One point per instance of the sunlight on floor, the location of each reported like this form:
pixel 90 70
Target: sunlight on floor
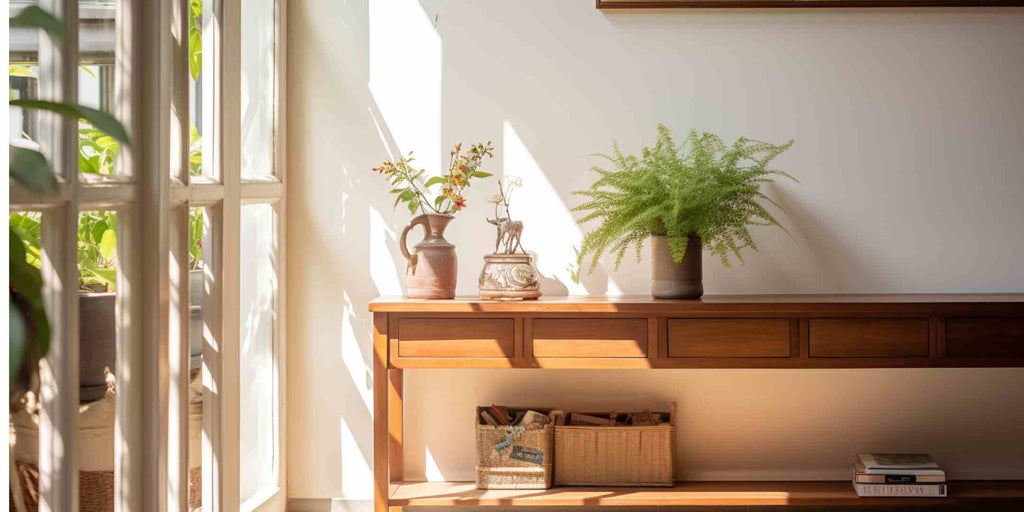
pixel 431 471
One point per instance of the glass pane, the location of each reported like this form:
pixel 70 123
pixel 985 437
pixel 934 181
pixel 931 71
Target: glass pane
pixel 97 151
pixel 257 88
pixel 97 325
pixel 197 230
pixel 258 374
pixel 195 89
pixel 23 79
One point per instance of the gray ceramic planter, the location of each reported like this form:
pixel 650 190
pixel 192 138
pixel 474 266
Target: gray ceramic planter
pixel 98 336
pixel 676 280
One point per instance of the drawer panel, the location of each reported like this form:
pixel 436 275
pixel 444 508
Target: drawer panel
pixel 868 337
pixel 754 337
pixel 985 337
pixel 590 337
pixel 456 337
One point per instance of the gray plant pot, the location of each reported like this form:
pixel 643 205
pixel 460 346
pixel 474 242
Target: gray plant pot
pixel 676 280
pixel 195 320
pixel 98 336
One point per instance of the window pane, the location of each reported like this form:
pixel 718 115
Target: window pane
pixel 195 87
pixel 23 79
pixel 97 38
pixel 196 244
pixel 97 338
pixel 258 374
pixel 257 63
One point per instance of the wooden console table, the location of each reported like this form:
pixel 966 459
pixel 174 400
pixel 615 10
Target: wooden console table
pixel 786 331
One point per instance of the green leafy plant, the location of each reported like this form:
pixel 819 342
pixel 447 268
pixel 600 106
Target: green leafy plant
pixel 195 38
pixel 408 187
pixel 97 251
pixel 700 187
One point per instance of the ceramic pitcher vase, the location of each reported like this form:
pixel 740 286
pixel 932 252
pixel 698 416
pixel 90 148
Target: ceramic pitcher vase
pixel 432 269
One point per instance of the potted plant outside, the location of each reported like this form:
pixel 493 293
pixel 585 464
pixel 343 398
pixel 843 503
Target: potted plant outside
pixel 432 265
pixel 701 194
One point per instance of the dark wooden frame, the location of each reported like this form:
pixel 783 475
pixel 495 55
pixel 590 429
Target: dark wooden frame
pixel 753 4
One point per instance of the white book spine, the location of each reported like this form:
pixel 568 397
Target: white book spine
pixel 900 490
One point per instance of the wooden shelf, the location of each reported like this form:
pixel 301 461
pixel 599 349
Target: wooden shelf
pixel 430 494
pixel 753 331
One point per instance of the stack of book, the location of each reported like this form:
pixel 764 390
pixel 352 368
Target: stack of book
pixel 897 474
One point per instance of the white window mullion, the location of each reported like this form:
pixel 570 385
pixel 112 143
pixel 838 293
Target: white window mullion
pixel 58 374
pixel 127 107
pixel 178 263
pixel 144 359
pixel 58 419
pixel 178 398
pixel 221 153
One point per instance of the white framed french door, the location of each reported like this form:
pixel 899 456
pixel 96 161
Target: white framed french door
pixel 155 189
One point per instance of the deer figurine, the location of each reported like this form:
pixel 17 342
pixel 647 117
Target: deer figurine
pixel 509 234
pixel 508 272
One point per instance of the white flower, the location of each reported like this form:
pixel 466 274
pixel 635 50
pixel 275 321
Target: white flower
pixel 495 199
pixel 513 181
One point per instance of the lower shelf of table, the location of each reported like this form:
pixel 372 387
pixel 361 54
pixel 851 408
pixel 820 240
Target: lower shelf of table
pixel 423 494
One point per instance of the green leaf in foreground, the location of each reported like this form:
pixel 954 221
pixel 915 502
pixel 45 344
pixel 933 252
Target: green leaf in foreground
pixel 26 283
pixel 29 168
pixel 100 120
pixel 35 17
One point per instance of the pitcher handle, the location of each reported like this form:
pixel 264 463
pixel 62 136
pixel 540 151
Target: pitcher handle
pixel 420 219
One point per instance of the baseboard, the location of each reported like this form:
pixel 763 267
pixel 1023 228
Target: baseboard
pixel 329 505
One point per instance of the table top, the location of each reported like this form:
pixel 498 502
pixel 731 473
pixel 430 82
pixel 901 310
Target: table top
pixel 643 303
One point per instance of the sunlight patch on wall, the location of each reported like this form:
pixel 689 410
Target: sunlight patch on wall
pixel 405 78
pixel 356 475
pixel 382 266
pixel 352 357
pixel 547 222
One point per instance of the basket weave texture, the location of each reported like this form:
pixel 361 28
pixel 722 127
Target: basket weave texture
pixel 95 489
pixel 496 469
pixel 614 456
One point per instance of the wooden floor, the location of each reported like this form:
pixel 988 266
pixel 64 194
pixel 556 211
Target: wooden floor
pixel 695 494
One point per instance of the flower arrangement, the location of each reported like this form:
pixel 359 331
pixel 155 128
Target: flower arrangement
pixel 408 189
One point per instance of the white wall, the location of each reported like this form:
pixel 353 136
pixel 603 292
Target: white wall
pixel 908 125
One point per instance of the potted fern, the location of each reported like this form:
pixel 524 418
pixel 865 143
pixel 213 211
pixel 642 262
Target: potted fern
pixel 698 195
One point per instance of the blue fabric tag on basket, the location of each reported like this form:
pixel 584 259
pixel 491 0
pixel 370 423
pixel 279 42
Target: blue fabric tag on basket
pixel 528 455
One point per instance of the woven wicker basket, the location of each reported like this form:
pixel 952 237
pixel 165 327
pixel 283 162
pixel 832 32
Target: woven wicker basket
pixel 615 456
pixel 95 489
pixel 506 468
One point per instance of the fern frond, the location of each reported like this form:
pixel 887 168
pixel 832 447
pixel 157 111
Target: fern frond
pixel 699 186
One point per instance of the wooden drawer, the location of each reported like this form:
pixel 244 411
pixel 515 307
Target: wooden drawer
pixel 868 337
pixel 755 337
pixel 456 337
pixel 985 337
pixel 590 337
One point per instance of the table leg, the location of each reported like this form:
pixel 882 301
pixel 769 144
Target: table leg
pixel 381 472
pixel 395 424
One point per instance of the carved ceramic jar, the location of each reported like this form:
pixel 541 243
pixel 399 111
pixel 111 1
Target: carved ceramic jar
pixel 509 277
